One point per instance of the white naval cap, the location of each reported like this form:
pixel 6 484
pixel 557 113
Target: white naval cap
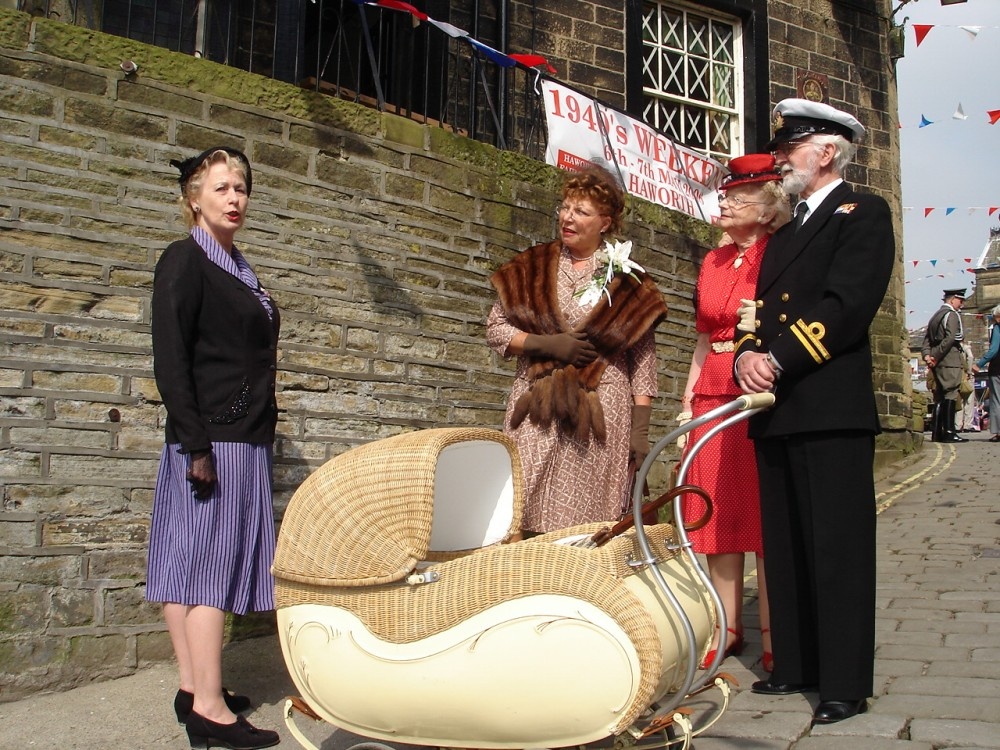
pixel 794 118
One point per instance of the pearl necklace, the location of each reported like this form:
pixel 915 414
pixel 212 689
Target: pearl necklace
pixel 580 260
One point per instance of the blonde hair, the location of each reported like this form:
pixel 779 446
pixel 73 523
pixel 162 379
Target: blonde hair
pixel 193 185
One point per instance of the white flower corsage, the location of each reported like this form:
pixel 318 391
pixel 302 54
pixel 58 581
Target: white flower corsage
pixel 611 259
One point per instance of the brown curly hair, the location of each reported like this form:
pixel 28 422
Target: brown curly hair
pixel 599 186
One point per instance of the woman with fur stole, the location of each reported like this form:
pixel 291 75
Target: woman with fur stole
pixel 579 316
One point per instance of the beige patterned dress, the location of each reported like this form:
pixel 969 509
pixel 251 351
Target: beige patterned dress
pixel 568 482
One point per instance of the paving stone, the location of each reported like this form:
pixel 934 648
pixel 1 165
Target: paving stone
pixel 939 707
pixel 950 686
pixel 772 725
pixel 953 734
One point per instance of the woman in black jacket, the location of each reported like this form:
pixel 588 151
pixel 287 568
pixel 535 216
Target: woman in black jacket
pixel 215 335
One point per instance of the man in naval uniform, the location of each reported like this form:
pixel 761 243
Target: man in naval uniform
pixel 942 352
pixel 822 279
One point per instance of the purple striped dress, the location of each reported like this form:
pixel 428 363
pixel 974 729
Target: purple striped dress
pixel 216 552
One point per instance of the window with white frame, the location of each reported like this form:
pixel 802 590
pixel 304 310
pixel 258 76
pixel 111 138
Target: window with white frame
pixel 692 76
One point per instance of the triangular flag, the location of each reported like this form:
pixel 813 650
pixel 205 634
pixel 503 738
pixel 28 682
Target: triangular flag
pixel 960 113
pixel 993 210
pixel 924 122
pixel 927 212
pixel 447 28
pixel 921 30
pixel 934 263
pixel 915 263
pixel 994 115
pixel 947 211
pixel 972 31
pixel 405 7
pixel 500 58
pixel 534 61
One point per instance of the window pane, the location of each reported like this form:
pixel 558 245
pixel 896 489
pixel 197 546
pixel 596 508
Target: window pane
pixel 690 76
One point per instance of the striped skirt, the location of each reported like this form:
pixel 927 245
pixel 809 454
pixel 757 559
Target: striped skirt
pixel 216 552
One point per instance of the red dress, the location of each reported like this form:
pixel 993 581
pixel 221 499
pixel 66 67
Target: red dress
pixel 725 467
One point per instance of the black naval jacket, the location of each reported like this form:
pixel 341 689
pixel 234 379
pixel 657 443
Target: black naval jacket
pixel 214 352
pixel 817 293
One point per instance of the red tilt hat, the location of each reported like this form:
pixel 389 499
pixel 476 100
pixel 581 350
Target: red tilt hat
pixel 744 170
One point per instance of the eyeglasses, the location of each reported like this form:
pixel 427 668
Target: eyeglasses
pixel 735 200
pixel 572 211
pixel 786 148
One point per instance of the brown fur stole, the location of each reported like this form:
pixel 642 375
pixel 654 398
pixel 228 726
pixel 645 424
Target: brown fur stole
pixel 561 393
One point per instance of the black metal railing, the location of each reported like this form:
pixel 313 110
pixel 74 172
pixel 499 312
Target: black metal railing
pixel 371 55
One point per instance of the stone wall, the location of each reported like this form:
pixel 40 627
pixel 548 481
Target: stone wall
pixel 375 234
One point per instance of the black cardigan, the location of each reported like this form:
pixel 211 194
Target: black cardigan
pixel 214 352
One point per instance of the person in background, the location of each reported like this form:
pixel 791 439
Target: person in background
pixel 212 540
pixel 965 413
pixel 753 205
pixel 578 313
pixel 821 282
pixel 991 361
pixel 942 353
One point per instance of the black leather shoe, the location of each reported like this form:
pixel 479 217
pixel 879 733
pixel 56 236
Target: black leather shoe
pixel 240 735
pixel 766 687
pixel 184 703
pixel 830 712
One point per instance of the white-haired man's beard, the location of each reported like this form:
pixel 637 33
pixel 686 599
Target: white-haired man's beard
pixel 796 180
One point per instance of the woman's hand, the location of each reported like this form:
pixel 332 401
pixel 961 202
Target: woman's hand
pixel 571 348
pixel 202 474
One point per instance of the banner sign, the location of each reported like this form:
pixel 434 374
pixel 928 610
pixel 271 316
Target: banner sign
pixel 650 165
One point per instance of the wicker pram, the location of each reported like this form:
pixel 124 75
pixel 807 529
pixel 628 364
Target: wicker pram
pixel 405 614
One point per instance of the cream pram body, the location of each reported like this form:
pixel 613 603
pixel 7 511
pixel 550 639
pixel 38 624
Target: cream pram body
pixel 490 644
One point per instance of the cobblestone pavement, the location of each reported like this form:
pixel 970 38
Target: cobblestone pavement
pixel 937 681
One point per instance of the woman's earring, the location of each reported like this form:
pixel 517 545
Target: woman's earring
pixel 196 209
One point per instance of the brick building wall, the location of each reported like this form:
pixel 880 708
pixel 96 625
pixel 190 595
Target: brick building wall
pixel 375 234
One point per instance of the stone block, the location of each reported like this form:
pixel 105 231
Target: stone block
pixel 153 648
pixel 76 381
pixel 17 533
pixel 41 570
pixel 116 120
pixel 72 608
pixel 117 531
pixel 129 607
pixel 25 610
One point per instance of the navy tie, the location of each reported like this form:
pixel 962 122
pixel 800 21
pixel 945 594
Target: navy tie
pixel 801 209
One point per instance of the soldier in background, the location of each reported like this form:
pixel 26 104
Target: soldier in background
pixel 942 353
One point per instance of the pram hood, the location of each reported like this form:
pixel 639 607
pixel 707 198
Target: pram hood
pixel 372 514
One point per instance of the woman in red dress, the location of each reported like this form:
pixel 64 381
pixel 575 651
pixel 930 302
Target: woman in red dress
pixel 753 205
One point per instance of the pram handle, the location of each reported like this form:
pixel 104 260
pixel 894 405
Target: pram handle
pixel 605 535
pixel 755 401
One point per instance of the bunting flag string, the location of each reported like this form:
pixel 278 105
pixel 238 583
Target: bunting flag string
pixel 959 272
pixel 935 261
pixel 992 115
pixel 502 59
pixel 949 210
pixel 921 30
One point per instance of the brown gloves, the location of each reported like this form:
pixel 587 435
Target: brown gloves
pixel 571 348
pixel 638 441
pixel 202 474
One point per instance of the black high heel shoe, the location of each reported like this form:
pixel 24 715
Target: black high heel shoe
pixel 184 703
pixel 240 735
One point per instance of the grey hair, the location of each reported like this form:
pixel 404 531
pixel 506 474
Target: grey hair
pixel 995 311
pixel 846 151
